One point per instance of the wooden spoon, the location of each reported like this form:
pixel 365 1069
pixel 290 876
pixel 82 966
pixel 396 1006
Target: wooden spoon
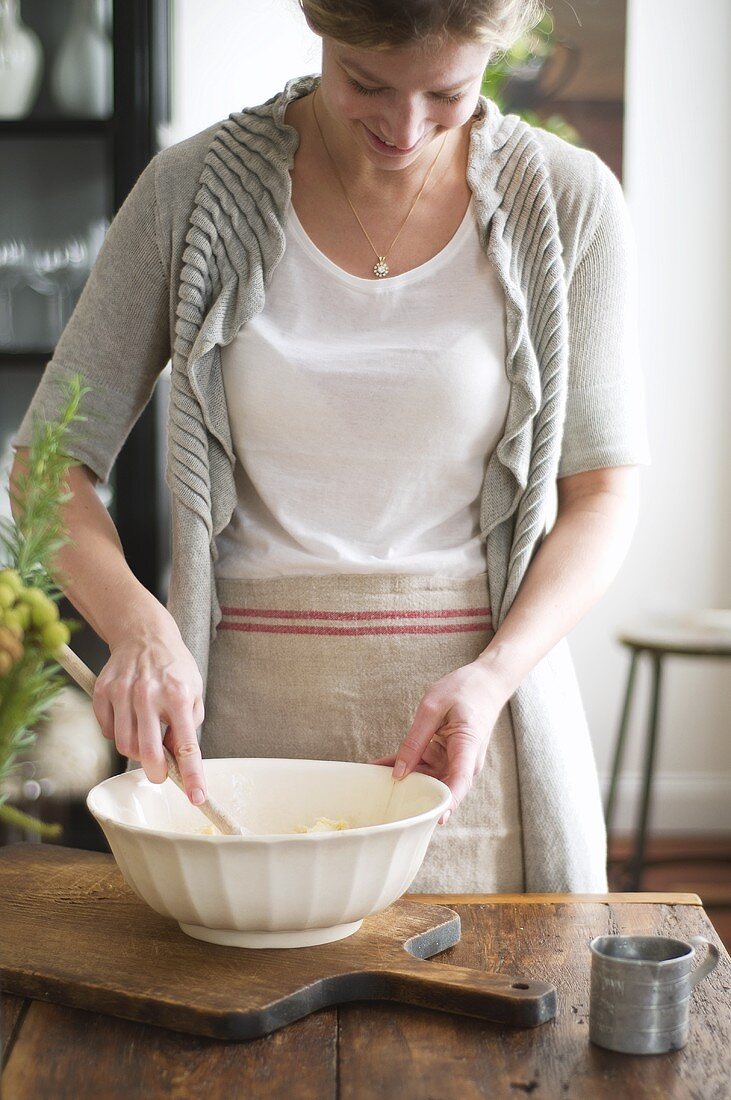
pixel 215 813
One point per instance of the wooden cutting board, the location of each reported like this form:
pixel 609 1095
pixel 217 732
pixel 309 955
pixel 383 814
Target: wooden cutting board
pixel 73 932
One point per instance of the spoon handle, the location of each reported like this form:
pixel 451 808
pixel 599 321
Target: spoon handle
pixel 86 680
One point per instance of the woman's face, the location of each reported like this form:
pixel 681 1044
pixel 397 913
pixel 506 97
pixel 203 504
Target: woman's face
pixel 407 97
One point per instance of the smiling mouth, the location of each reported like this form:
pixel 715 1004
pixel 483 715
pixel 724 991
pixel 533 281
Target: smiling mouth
pixel 393 145
pixel 395 148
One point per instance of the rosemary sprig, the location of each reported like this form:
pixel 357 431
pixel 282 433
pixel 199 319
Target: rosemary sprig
pixel 31 542
pixel 28 546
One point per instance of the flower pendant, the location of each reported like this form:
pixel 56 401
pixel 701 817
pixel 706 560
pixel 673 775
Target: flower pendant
pixel 380 270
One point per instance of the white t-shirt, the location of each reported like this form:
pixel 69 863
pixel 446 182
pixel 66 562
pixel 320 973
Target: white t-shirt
pixel 363 412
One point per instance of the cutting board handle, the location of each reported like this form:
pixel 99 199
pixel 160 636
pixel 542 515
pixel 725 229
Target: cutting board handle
pixel 502 998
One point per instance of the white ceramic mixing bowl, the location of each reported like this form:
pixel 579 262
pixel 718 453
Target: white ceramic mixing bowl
pixel 276 888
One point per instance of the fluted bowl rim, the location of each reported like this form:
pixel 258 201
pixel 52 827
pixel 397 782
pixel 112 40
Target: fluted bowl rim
pixel 137 775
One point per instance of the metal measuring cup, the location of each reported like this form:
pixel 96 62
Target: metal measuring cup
pixel 640 991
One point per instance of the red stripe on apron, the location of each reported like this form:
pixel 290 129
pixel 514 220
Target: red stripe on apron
pixel 277 628
pixel 273 613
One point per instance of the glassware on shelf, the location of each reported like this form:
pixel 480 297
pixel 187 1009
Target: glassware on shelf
pixel 12 270
pixel 56 270
pixel 58 273
pixel 95 235
pixel 77 269
pixel 81 75
pixel 21 63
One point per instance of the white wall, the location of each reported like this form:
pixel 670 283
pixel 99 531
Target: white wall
pixel 677 178
pixel 250 48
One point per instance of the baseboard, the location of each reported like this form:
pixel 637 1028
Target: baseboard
pixel 698 802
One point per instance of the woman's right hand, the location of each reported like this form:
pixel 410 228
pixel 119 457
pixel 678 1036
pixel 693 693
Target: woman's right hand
pixel 148 680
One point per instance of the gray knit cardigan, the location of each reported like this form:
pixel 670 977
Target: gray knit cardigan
pixel 187 261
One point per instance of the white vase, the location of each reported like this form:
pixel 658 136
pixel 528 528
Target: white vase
pixel 81 76
pixel 21 63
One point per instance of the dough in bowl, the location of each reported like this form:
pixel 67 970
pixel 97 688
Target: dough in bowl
pixel 323 825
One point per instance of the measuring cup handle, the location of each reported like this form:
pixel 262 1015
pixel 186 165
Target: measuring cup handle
pixel 711 962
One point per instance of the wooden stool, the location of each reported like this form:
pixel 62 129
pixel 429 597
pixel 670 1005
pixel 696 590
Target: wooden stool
pixel 657 641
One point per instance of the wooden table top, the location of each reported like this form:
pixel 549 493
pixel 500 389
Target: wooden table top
pixel 379 1049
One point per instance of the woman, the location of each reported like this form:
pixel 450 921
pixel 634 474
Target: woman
pixel 399 321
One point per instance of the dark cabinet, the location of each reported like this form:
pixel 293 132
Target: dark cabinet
pixel 62 179
pixel 63 176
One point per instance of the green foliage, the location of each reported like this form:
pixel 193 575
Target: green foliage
pixel 29 678
pixel 535 46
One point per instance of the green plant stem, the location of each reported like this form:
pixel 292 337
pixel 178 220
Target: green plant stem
pixel 11 815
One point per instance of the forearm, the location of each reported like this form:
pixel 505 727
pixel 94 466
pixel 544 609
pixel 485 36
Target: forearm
pixel 571 571
pixel 91 568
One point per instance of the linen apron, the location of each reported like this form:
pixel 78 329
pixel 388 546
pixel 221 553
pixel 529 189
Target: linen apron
pixel 332 667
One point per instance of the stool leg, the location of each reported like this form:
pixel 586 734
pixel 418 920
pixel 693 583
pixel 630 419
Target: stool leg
pixel 621 738
pixel 638 859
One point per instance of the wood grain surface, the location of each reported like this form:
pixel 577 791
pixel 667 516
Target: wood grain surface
pixel 75 933
pixel 382 1051
pixel 648 898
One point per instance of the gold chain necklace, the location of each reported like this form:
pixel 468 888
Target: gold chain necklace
pixel 380 268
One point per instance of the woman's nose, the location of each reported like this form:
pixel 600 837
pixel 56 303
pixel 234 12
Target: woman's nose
pixel 405 128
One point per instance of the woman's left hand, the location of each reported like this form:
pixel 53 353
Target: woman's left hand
pixel 451 729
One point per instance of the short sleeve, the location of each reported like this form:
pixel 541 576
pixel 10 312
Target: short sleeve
pixel 117 339
pixel 605 413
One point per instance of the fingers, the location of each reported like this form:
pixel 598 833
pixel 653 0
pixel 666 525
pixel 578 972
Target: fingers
pixel 434 761
pixel 149 735
pixel 183 744
pixel 456 760
pixel 102 707
pixel 130 712
pixel 435 755
pixel 463 749
pixel 428 718
pixel 125 720
pixel 480 763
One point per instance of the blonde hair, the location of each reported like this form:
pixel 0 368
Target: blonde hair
pixel 384 24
